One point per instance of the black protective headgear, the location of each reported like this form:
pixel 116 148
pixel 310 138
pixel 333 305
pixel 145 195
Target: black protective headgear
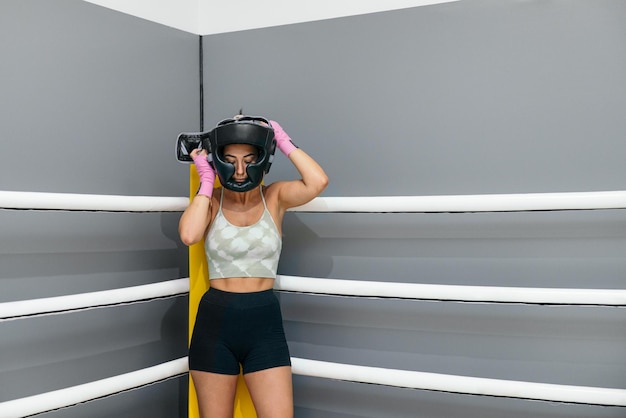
pixel 250 130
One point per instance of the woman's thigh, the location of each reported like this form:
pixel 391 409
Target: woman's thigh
pixel 272 392
pixel 215 392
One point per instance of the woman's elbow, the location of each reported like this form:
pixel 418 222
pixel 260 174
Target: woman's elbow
pixel 322 182
pixel 188 237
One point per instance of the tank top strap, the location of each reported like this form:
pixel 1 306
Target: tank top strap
pixel 221 199
pixel 262 197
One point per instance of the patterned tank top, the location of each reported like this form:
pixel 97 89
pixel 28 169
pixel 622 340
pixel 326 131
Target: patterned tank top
pixel 243 251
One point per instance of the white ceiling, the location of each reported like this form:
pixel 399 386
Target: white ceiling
pixel 205 17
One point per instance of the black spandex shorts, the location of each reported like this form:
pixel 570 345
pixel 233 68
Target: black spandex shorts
pixel 238 328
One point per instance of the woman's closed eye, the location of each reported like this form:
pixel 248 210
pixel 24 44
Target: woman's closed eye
pixel 246 161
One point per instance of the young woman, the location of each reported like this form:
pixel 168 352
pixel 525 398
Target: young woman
pixel 239 323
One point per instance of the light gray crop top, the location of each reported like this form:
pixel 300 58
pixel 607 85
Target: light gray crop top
pixel 243 251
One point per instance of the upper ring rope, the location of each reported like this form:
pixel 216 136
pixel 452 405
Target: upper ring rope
pixel 373 204
pixel 91 202
pixel 468 203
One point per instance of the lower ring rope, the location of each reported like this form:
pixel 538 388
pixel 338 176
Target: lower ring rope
pixel 50 401
pixel 460 384
pixel 62 398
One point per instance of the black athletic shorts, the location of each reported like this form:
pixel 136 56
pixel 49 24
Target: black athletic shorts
pixel 238 328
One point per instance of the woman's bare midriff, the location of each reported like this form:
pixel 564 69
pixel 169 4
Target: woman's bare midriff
pixel 243 284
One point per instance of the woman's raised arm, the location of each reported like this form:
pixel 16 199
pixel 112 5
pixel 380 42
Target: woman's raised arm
pixel 313 178
pixel 196 218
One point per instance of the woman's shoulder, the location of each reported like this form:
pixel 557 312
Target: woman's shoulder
pixel 273 189
pixel 272 195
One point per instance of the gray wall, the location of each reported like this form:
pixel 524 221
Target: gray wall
pixel 478 96
pixel 461 98
pixel 92 101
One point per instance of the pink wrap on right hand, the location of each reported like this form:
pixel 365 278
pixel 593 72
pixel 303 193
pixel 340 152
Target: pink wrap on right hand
pixel 206 173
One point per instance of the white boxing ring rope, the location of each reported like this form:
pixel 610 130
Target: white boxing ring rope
pixel 90 202
pixel 460 384
pixel 469 203
pixel 71 303
pixel 74 395
pixel 453 293
pixel 57 399
pixel 49 401
pixel 171 288
pixel 45 402
pixel 373 204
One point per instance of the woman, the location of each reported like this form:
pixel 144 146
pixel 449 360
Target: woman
pixel 239 323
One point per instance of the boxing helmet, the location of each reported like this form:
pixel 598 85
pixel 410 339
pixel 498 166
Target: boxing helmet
pixel 241 129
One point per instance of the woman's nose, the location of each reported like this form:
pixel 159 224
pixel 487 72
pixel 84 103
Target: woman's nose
pixel 240 167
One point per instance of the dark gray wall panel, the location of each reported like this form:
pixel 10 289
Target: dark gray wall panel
pixel 471 97
pixel 534 249
pixel 93 98
pixel 92 101
pixel 477 96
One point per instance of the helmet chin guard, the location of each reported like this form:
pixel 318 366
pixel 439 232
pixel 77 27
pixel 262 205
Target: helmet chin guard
pixel 249 130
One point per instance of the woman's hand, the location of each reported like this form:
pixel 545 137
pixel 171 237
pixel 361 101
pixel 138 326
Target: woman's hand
pixel 205 171
pixel 283 142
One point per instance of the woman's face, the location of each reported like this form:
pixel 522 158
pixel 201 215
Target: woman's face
pixel 240 155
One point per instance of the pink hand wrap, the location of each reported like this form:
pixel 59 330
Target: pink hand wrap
pixel 206 173
pixel 283 142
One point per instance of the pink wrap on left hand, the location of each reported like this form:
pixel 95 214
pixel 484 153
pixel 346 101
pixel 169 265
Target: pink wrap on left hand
pixel 283 141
